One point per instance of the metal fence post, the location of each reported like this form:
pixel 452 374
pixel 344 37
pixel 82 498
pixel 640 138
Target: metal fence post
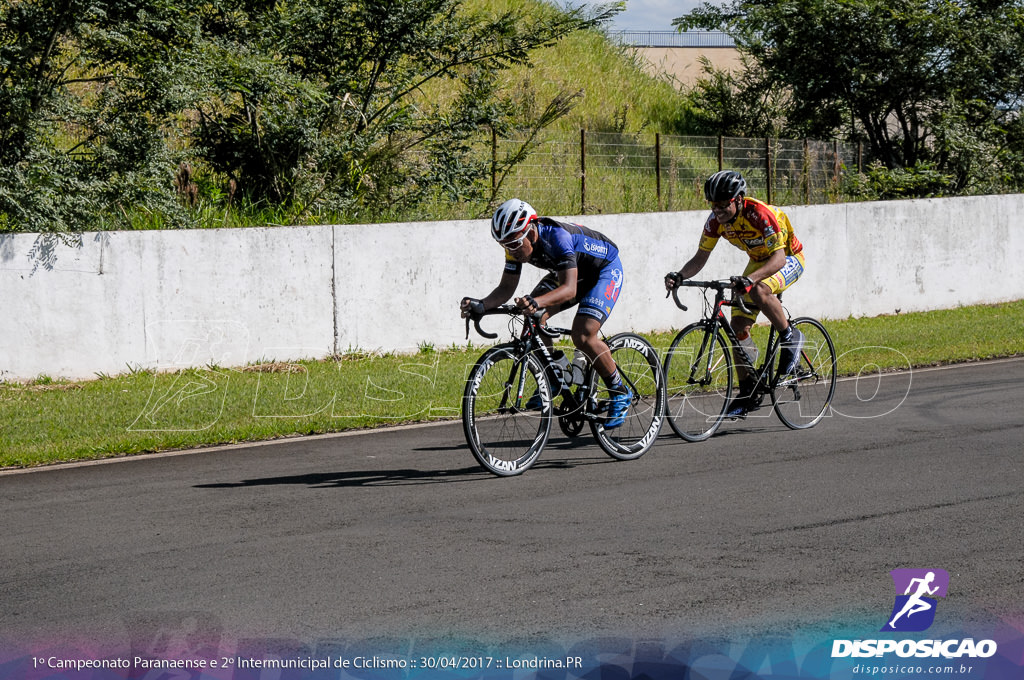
pixel 657 167
pixel 768 165
pixel 721 153
pixel 835 153
pixel 494 159
pixel 583 172
pixel 807 172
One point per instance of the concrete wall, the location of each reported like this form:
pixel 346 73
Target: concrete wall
pixel 110 302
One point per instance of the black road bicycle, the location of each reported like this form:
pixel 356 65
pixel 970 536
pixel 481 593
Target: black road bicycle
pixel 700 375
pixel 506 436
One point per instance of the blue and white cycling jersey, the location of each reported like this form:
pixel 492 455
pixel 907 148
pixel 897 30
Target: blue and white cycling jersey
pixel 561 246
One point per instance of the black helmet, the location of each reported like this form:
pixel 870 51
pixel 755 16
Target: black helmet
pixel 724 185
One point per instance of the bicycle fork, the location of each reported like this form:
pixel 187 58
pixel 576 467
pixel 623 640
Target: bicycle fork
pixel 708 355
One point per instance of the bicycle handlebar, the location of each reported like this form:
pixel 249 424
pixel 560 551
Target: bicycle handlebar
pixel 720 285
pixel 675 297
pixel 510 310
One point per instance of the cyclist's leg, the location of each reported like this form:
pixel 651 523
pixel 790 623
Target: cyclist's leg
pixel 546 285
pixel 766 297
pixel 741 323
pixel 765 294
pixel 596 303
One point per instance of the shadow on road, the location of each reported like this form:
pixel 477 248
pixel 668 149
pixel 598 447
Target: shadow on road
pixel 361 478
pixel 405 476
pixel 559 443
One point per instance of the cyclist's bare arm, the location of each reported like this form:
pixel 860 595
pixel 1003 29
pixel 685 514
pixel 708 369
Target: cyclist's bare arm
pixel 769 267
pixel 691 268
pixel 505 289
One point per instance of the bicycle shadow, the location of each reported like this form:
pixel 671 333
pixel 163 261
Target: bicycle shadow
pixel 357 478
pixel 553 442
pixel 399 477
pixel 555 446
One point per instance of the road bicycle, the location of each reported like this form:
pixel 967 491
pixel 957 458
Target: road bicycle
pixel 700 369
pixel 507 436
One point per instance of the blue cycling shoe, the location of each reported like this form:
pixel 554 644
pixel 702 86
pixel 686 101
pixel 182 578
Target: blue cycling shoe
pixel 744 402
pixel 618 407
pixel 740 408
pixel 535 403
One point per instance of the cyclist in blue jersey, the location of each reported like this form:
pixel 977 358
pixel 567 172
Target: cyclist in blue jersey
pixel 583 269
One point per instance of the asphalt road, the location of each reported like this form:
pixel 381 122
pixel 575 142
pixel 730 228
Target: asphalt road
pixel 398 532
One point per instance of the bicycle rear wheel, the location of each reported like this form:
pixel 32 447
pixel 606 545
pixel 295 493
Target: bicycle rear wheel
pixel 641 371
pixel 504 435
pixel 802 399
pixel 698 378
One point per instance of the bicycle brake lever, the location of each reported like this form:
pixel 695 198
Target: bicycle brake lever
pixel 738 301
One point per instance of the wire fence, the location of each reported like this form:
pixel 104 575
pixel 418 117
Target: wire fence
pixel 673 38
pixel 612 172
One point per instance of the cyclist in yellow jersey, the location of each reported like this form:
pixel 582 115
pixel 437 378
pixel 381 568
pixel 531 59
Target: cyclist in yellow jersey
pixel 776 261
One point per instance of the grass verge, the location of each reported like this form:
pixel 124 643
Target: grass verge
pixel 50 421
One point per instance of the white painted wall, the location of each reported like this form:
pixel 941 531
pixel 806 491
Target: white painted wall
pixel 108 302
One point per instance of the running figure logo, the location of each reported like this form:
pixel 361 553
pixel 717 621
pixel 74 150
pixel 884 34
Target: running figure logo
pixel 914 609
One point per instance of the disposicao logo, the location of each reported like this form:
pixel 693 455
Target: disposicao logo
pixel 917 593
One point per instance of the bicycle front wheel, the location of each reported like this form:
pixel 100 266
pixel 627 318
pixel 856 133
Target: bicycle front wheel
pixel 504 433
pixel 802 399
pixel 698 378
pixel 640 370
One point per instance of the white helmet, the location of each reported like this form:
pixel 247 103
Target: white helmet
pixel 512 217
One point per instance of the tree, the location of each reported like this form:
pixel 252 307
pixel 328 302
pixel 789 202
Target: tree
pixel 112 109
pixel 86 90
pixel 731 104
pixel 922 82
pixel 366 104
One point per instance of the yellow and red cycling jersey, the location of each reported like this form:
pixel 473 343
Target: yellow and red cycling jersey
pixel 759 229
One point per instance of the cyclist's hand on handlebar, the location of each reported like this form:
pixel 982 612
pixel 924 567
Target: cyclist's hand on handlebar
pixel 471 307
pixel 672 280
pixel 741 285
pixel 527 304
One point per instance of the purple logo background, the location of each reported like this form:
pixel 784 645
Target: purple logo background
pixel 917 593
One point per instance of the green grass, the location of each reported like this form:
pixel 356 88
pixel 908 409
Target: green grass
pixel 49 421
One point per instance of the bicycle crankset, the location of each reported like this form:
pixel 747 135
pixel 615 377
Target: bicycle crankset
pixel 570 417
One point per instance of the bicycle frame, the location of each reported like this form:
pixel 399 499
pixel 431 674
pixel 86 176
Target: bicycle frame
pixel 800 398
pixel 581 401
pixel 530 342
pixel 715 320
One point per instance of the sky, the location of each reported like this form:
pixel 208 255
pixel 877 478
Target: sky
pixel 651 15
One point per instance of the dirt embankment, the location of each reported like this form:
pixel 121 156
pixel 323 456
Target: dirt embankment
pixel 683 63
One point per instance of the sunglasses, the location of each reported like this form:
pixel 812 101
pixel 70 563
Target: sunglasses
pixel 512 245
pixel 722 205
